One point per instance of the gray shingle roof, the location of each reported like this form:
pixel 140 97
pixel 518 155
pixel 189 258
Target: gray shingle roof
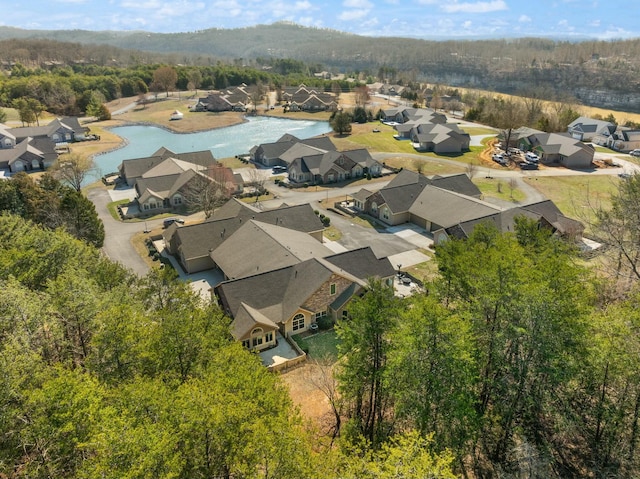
pixel 256 247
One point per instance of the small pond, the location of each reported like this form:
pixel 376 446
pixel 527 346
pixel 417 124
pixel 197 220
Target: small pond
pixel 143 141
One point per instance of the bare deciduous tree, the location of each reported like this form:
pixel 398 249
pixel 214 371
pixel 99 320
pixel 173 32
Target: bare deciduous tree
pixel 72 168
pixel 165 78
pixel 206 192
pixel 324 380
pixel 471 170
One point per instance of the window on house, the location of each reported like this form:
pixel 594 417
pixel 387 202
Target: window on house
pixel 332 288
pixel 177 200
pixel 257 341
pixel 268 338
pixel 298 322
pixel 321 314
pixel 385 213
pixel 246 344
pixel 345 314
pixel 146 206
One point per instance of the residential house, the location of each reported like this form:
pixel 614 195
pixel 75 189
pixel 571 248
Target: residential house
pixel 392 204
pixel 545 213
pixel 66 129
pixel 554 148
pixel 624 139
pixel 229 99
pixel 440 138
pixel 290 299
pixel 194 245
pixel 168 185
pixel 303 98
pixel 257 246
pixel 333 166
pixel 27 155
pixel 416 115
pixel 34 147
pixel 586 129
pixel 133 169
pixel 275 154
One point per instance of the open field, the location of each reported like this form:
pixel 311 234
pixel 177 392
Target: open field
pixel 576 196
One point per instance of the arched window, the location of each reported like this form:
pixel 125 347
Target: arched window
pixel 256 337
pixel 298 322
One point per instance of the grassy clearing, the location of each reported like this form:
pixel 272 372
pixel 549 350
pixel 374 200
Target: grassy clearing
pixel 500 188
pixel 479 130
pixel 322 345
pixel 332 233
pixel 574 194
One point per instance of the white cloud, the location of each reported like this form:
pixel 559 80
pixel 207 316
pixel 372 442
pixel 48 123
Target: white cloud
pixel 466 25
pixel 350 15
pixel 357 4
pixel 478 7
pixel 524 19
pixel 428 2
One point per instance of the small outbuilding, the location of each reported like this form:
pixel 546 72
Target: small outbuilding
pixel 176 115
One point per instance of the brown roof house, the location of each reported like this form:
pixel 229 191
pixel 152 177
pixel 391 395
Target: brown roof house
pixel 133 169
pixel 545 213
pixel 393 204
pixel 333 166
pixel 290 299
pixel 287 148
pixel 195 246
pixel 171 184
pixel 554 148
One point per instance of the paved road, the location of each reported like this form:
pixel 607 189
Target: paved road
pixel 117 241
pixel 118 234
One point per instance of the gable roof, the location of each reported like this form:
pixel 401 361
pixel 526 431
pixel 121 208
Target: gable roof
pixel 196 241
pixel 446 208
pixel 136 167
pixel 268 246
pixel 362 263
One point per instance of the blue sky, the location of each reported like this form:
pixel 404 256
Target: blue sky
pixel 434 19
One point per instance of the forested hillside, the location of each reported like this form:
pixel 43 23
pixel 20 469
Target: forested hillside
pixel 598 73
pixel 517 360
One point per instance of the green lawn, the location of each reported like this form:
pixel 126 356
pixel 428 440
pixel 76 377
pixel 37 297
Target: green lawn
pixel 321 345
pixel 574 194
pixel 499 188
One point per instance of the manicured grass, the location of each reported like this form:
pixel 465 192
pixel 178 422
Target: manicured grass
pixel 478 130
pixel 332 233
pixel 113 208
pixel 321 345
pixel 427 167
pixel 499 188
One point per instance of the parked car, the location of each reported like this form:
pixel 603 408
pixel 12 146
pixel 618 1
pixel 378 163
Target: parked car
pixel 528 166
pixel 635 152
pixel 531 157
pixel 169 221
pixel 279 169
pixel 499 158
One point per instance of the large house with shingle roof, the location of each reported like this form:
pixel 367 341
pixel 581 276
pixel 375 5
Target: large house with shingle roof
pixel 545 213
pixel 290 299
pixel 450 206
pixel 332 166
pixel 554 148
pixel 586 129
pixel 278 153
pixel 194 245
pixel 133 169
pixel 393 204
pixel 168 185
pixel 34 147
pixel 303 98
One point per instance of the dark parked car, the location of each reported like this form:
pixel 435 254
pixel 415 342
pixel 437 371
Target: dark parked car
pixel 528 166
pixel 169 221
